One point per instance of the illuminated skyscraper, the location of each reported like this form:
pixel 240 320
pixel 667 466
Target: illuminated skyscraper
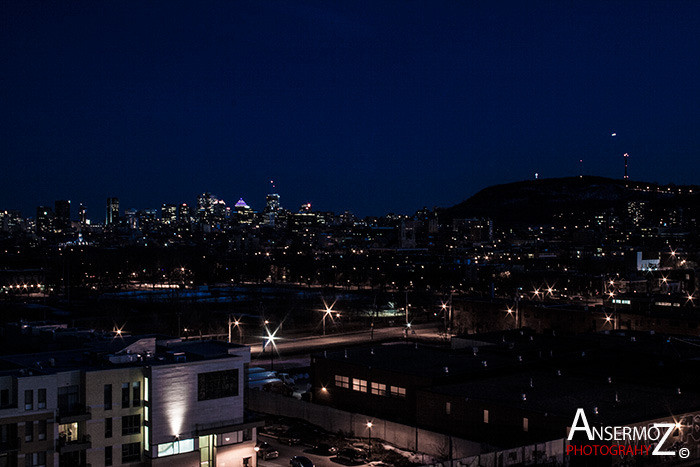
pixel 82 214
pixel 168 213
pixel 44 219
pixel 272 207
pixel 112 211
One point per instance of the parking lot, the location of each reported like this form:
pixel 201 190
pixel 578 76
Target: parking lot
pixel 287 452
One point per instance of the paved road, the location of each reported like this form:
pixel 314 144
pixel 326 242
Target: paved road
pixel 315 343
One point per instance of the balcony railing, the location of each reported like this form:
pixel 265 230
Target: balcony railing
pixel 74 413
pixel 79 444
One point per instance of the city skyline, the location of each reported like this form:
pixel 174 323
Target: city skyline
pixel 328 100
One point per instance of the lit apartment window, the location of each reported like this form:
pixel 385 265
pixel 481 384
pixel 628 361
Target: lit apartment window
pixel 342 381
pixel 28 399
pixel 41 398
pixel 448 408
pixel 486 416
pixel 397 391
pixel 359 385
pixel 379 389
pixel 526 424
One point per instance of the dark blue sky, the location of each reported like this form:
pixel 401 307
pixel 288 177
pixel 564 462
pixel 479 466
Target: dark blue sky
pixel 370 106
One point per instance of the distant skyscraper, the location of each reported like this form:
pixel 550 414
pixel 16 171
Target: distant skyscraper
pixel 44 219
pixel 183 213
pixel 112 211
pixel 82 214
pixel 168 213
pixel 272 207
pixel 62 214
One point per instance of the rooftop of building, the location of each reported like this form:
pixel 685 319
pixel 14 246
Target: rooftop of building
pixel 607 401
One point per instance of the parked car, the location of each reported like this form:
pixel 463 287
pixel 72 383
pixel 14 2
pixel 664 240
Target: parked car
pixel 300 461
pixel 265 451
pixel 290 439
pixel 325 449
pixel 351 455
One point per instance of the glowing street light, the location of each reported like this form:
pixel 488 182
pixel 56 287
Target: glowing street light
pixel 270 339
pixel 236 322
pixel 369 439
pixel 327 312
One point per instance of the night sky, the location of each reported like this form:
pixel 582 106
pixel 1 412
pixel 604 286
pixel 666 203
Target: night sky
pixel 373 106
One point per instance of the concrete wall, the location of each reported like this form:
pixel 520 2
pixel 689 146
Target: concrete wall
pixel 175 410
pixel 334 420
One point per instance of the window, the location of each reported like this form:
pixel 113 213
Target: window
pixel 28 399
pixel 448 408
pixel 41 398
pixel 108 397
pixel 145 389
pixel 176 447
pixel 397 391
pixel 108 427
pixel 486 416
pixel 526 424
pixel 4 397
pixel 28 431
pixel 131 425
pixel 131 452
pixel 136 393
pixel 35 459
pixel 233 437
pixel 217 384
pixel 125 395
pixel 41 430
pixel 145 413
pixel 379 389
pixel 342 381
pixel 108 455
pixel 359 385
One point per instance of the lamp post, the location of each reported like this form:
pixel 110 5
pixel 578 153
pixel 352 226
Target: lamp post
pixel 270 338
pixel 369 439
pixel 236 323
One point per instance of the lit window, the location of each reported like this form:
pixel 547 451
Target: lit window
pixel 359 385
pixel 397 391
pixel 526 424
pixel 342 381
pixel 448 408
pixel 379 389
pixel 176 447
pixel 486 416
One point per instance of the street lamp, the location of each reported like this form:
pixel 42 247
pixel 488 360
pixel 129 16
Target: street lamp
pixel 236 323
pixel 270 338
pixel 369 439
pixel 327 312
